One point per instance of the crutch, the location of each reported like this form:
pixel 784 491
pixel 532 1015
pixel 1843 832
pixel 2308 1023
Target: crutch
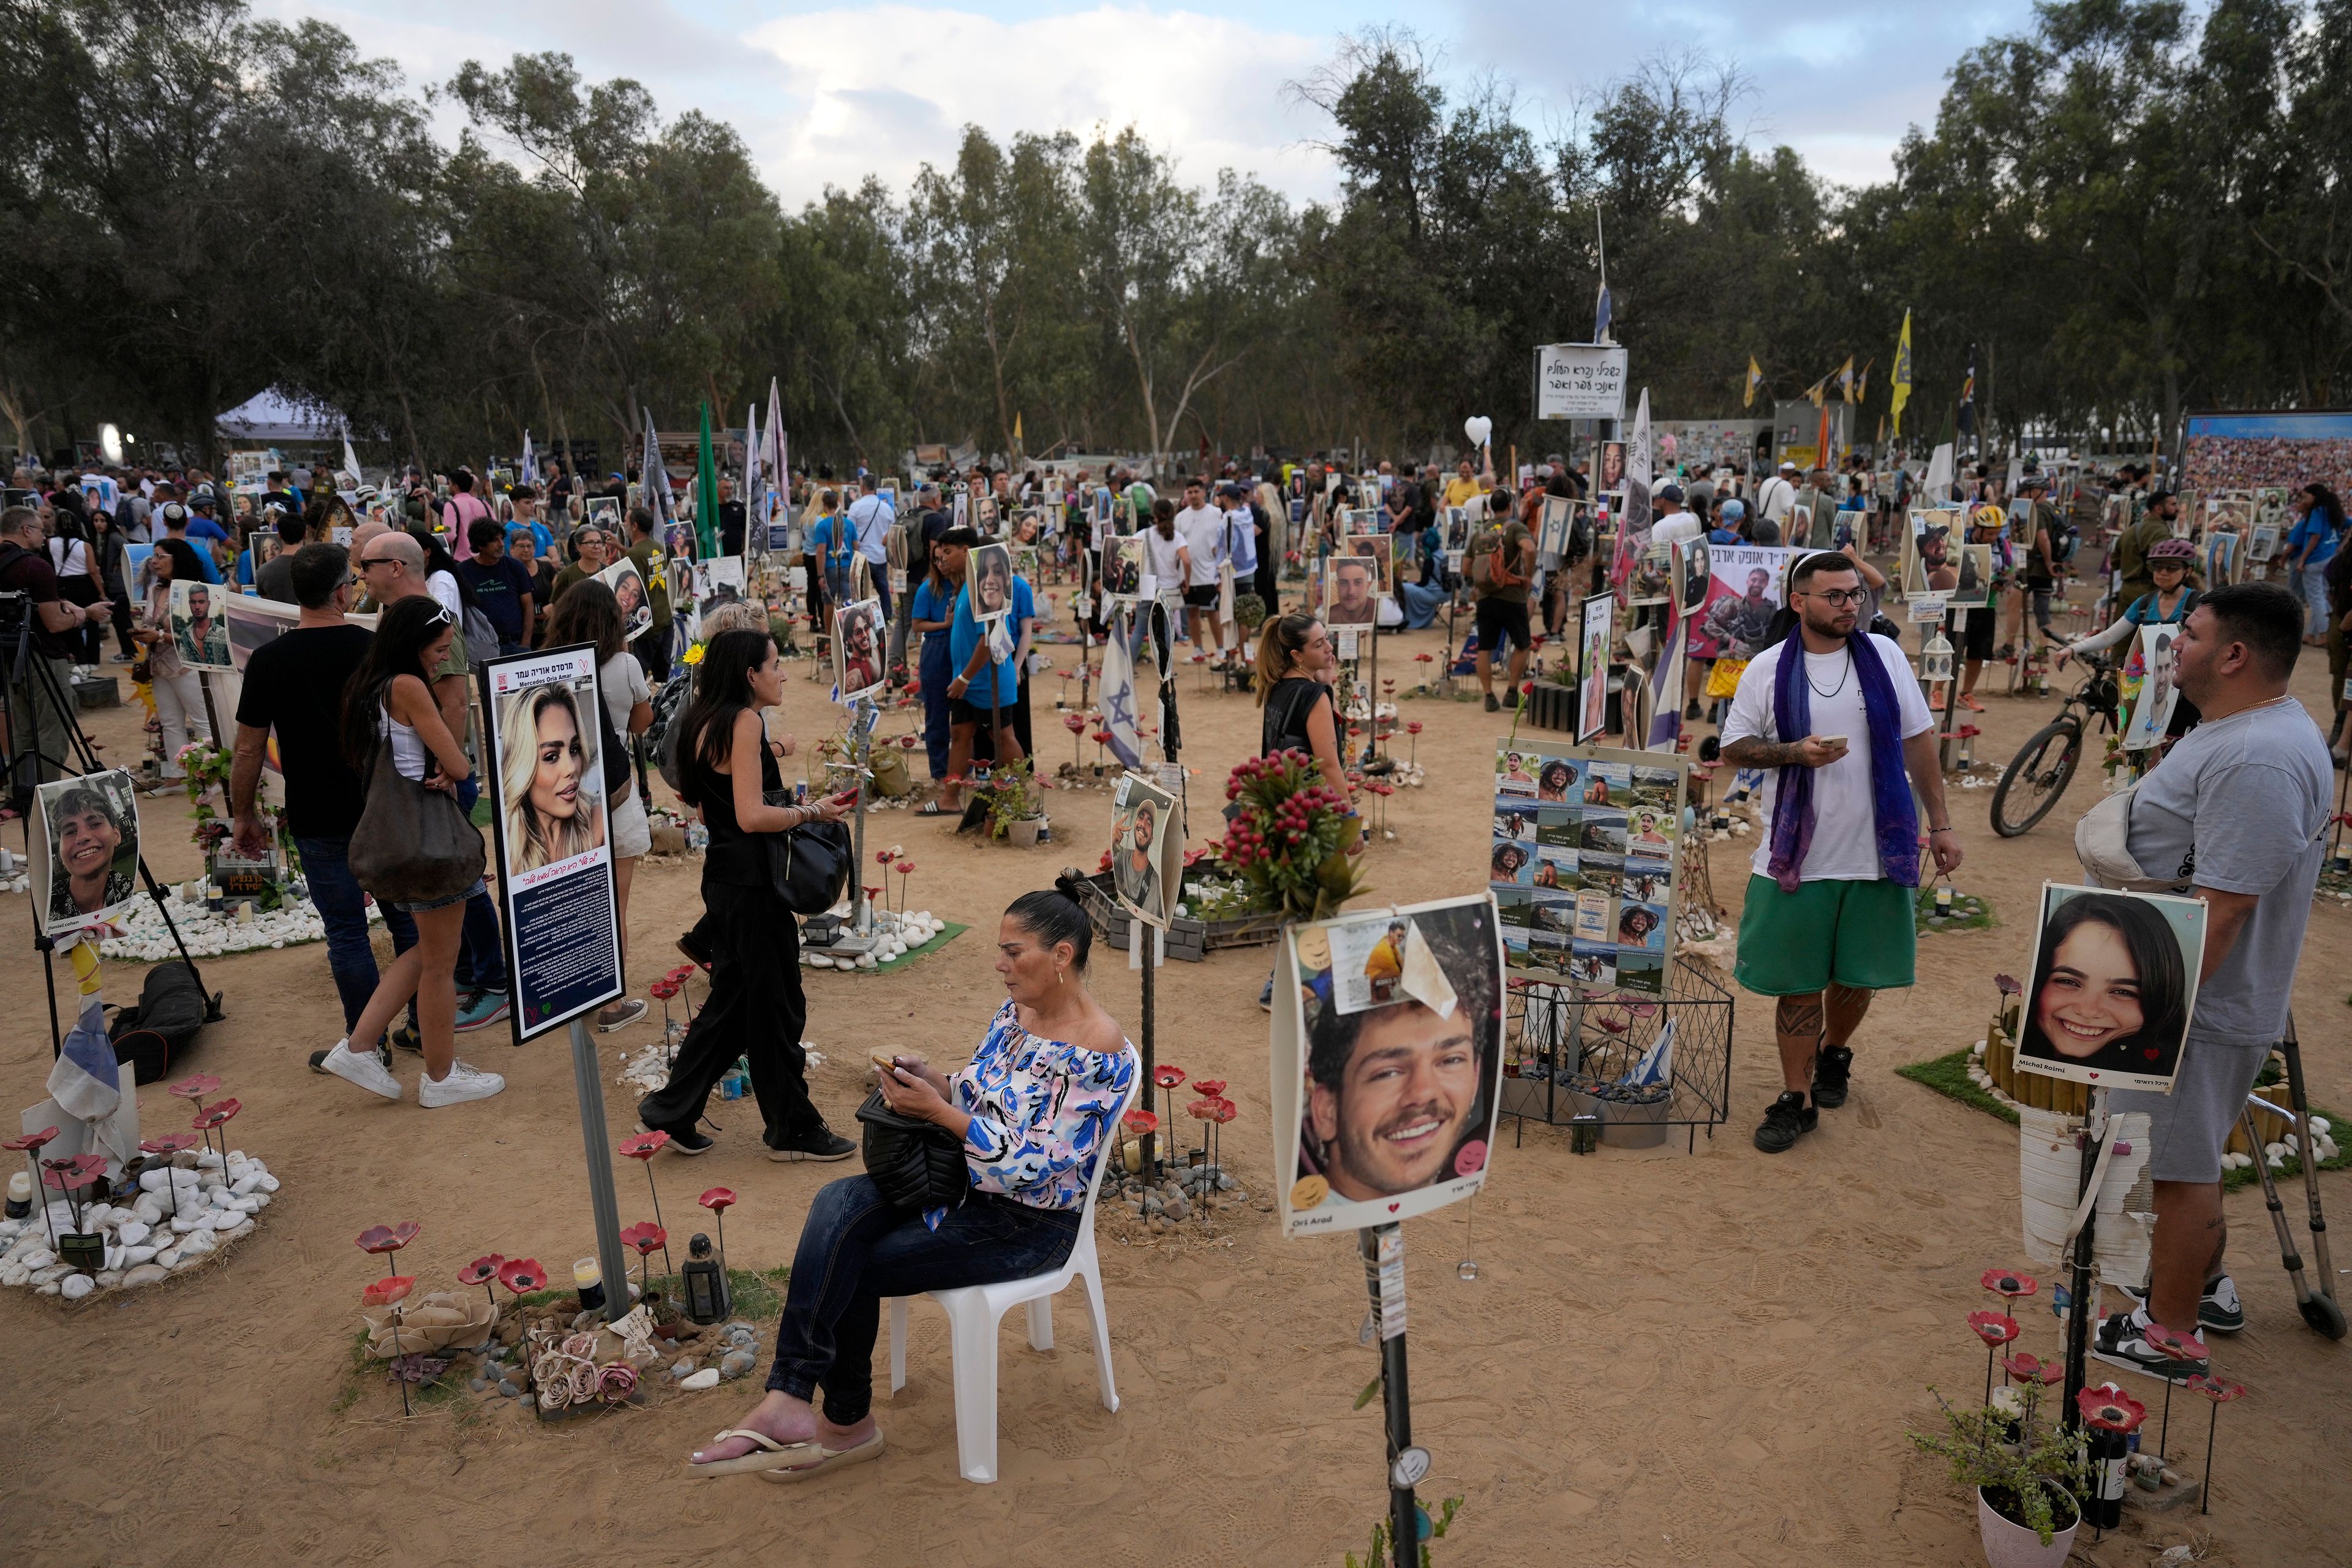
pixel 2318 1303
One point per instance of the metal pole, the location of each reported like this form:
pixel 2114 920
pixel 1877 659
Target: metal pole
pixel 1137 931
pixel 1406 1464
pixel 2083 1277
pixel 594 1143
pixel 861 750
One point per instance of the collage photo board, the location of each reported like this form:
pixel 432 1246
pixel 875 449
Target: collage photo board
pixel 1583 861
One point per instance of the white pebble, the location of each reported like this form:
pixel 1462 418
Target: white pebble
pixel 133 1257
pixel 74 1287
pixel 707 1378
pixel 131 1232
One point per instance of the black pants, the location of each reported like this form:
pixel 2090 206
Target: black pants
pixel 756 1011
pixel 87 642
pixel 121 617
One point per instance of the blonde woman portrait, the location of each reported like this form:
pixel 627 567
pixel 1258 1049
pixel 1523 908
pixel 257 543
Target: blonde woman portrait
pixel 554 805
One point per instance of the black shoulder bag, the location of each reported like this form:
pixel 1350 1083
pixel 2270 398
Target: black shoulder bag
pixel 916 1165
pixel 810 866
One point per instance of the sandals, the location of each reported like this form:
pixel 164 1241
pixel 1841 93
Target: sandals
pixel 931 808
pixel 762 1458
pixel 831 1459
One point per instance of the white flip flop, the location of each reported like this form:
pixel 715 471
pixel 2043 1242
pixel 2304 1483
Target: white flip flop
pixel 764 1457
pixel 833 1459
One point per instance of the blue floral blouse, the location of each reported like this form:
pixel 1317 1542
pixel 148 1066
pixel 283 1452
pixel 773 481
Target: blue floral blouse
pixel 1041 1111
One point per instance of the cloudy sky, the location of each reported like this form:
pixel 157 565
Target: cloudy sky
pixel 825 94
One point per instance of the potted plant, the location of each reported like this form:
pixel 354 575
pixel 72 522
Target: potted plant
pixel 1014 811
pixel 2026 1473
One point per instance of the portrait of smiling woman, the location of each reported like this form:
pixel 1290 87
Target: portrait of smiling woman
pixel 2114 981
pixel 554 806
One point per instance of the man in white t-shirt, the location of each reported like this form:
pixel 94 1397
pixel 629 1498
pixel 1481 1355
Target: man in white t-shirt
pixel 1201 527
pixel 1673 524
pixel 1776 495
pixel 873 516
pixel 1828 912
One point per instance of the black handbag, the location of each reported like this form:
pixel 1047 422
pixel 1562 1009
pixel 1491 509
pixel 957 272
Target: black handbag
pixel 412 845
pixel 808 866
pixel 916 1165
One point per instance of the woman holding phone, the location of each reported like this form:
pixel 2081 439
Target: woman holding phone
pixel 1032 1112
pixel 756 1009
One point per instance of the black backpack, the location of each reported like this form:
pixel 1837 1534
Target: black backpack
pixel 156 1034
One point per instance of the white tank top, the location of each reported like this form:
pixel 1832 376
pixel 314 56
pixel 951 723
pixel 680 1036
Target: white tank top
pixel 408 752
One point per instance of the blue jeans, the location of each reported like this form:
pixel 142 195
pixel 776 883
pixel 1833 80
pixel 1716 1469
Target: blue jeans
pixel 481 956
pixel 933 674
pixel 858 1248
pixel 342 909
pixel 2314 599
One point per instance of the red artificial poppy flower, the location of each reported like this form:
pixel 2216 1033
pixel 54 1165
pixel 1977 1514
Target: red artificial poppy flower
pixel 389 1292
pixel 194 1088
pixel 67 1175
pixel 522 1275
pixel 1072 723
pixel 883 856
pixel 214 1114
pixel 1214 1088
pixel 480 1271
pixel 162 1142
pixel 1101 737
pixel 1413 727
pixel 681 975
pixel 906 868
pixel 2004 1282
pixel 2027 1367
pixel 662 990
pixel 34 1139
pixel 1225 1110
pixel 717 1199
pixel 871 892
pixel 2182 1347
pixel 1994 1328
pixel 1200 1109
pixel 387 1238
pixel 645 1145
pixel 2110 1409
pixel 905 743
pixel 2007 985
pixel 644 1235
pixel 1168 1076
pixel 2221 1391
pixel 1139 1122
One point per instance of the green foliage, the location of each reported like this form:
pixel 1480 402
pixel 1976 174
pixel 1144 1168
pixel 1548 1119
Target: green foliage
pixel 2018 1473
pixel 1012 795
pixel 1378 1555
pixel 1948 1076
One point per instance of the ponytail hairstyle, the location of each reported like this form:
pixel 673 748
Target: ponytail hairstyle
pixel 1278 648
pixel 402 632
pixel 1053 915
pixel 1163 517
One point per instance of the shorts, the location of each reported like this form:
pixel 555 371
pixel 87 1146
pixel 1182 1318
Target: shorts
pixel 421 905
pixel 1860 935
pixel 1499 618
pixel 632 834
pixel 1202 596
pixel 1974 640
pixel 2188 1128
pixel 962 712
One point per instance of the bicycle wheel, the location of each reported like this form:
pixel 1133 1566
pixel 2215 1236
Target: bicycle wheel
pixel 2036 777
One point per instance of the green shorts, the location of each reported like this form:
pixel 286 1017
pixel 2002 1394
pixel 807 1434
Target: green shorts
pixel 1861 935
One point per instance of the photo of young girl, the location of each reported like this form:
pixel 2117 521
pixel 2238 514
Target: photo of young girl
pixel 2113 987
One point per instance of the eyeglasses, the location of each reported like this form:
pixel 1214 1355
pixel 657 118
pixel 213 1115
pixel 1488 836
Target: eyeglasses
pixel 368 560
pixel 1833 597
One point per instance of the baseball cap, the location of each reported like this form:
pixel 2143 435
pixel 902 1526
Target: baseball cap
pixel 1671 492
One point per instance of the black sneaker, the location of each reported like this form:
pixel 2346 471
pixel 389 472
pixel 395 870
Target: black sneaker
pixel 2121 1342
pixel 682 1140
pixel 406 1039
pixel 1832 1066
pixel 319 1059
pixel 1786 1120
pixel 1493 706
pixel 1691 711
pixel 1511 699
pixel 821 1143
pixel 2218 1310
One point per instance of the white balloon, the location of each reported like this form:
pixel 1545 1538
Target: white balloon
pixel 1477 428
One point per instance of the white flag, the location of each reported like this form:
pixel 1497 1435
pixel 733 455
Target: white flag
pixel 529 471
pixel 351 462
pixel 1118 693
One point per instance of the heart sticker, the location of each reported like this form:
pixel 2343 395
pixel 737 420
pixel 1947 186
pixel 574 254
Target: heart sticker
pixel 1394 1207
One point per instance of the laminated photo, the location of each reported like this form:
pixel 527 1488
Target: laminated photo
pixel 1592 664
pixel 198 632
pixel 1382 549
pixel 1511 862
pixel 1124 560
pixel 989 576
pixel 1386 1055
pixel 253 623
pixel 1353 590
pixel 717 581
pixel 860 639
pixel 1926 565
pixel 2152 705
pixel 1587 860
pixel 2112 988
pixel 628 585
pixel 84 859
pixel 1744 591
pixel 1146 848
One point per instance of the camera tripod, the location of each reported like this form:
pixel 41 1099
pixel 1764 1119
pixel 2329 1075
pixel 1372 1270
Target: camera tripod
pixel 28 673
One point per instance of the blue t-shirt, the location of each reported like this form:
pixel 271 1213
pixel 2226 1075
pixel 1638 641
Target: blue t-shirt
pixel 2314 529
pixel 206 529
pixel 244 567
pixel 832 540
pixel 964 635
pixel 542 542
pixel 931 605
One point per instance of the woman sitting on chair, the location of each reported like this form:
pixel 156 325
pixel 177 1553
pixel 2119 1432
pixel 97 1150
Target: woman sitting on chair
pixel 1034 1109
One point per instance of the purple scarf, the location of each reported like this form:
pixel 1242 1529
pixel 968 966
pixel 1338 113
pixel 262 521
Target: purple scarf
pixel 1897 815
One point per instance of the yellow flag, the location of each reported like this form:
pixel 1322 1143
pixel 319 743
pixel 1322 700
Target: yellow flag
pixel 1845 379
pixel 1016 429
pixel 1755 380
pixel 1819 392
pixel 1862 383
pixel 1901 381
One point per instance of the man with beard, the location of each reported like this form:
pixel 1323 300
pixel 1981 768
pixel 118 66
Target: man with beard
pixel 1393 1092
pixel 1742 624
pixel 1353 604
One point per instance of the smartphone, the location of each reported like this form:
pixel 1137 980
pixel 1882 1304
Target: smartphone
pixel 1831 740
pixel 882 1059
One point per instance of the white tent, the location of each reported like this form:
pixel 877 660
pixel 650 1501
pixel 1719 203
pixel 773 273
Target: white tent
pixel 271 418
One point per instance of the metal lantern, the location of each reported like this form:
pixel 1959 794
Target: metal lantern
pixel 1936 659
pixel 705 1283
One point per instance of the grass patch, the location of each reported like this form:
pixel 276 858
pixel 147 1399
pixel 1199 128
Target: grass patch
pixel 1968 913
pixel 1948 1076
pixel 947 934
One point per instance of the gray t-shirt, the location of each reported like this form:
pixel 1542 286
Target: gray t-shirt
pixel 2241 805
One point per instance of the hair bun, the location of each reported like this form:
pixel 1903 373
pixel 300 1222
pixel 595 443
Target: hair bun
pixel 1067 884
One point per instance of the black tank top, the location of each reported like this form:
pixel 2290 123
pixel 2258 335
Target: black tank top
pixel 734 856
pixel 1287 708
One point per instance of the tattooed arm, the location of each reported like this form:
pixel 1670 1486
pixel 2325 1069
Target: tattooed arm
pixel 1754 752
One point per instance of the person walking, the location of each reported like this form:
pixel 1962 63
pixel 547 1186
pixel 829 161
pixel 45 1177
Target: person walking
pixel 1501 561
pixel 294 687
pixel 2256 871
pixel 755 1010
pixel 1835 718
pixel 933 613
pixel 872 520
pixel 1296 662
pixel 390 702
pixel 2312 544
pixel 652 648
pixel 178 690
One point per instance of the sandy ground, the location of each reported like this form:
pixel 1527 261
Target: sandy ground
pixel 1665 1358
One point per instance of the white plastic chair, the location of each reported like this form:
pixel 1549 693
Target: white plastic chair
pixel 975 1312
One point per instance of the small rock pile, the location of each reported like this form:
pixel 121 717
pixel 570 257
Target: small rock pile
pixel 896 935
pixel 145 1240
pixel 1175 1198
pixel 209 933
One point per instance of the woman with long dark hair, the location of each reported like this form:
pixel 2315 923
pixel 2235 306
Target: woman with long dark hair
pixel 756 1009
pixel 2110 988
pixel 178 690
pixel 389 703
pixel 1296 661
pixel 111 560
pixel 1033 1112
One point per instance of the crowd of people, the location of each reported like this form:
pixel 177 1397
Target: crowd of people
pixel 1821 702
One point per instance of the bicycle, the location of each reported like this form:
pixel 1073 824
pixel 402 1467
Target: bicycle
pixel 2037 775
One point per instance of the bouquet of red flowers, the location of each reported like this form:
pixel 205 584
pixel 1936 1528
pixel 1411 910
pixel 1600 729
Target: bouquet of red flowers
pixel 1289 834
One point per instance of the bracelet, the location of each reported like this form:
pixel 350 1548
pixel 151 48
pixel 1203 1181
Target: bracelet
pixel 1932 831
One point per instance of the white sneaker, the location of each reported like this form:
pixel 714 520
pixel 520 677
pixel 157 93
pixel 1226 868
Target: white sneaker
pixel 361 1068
pixel 464 1083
